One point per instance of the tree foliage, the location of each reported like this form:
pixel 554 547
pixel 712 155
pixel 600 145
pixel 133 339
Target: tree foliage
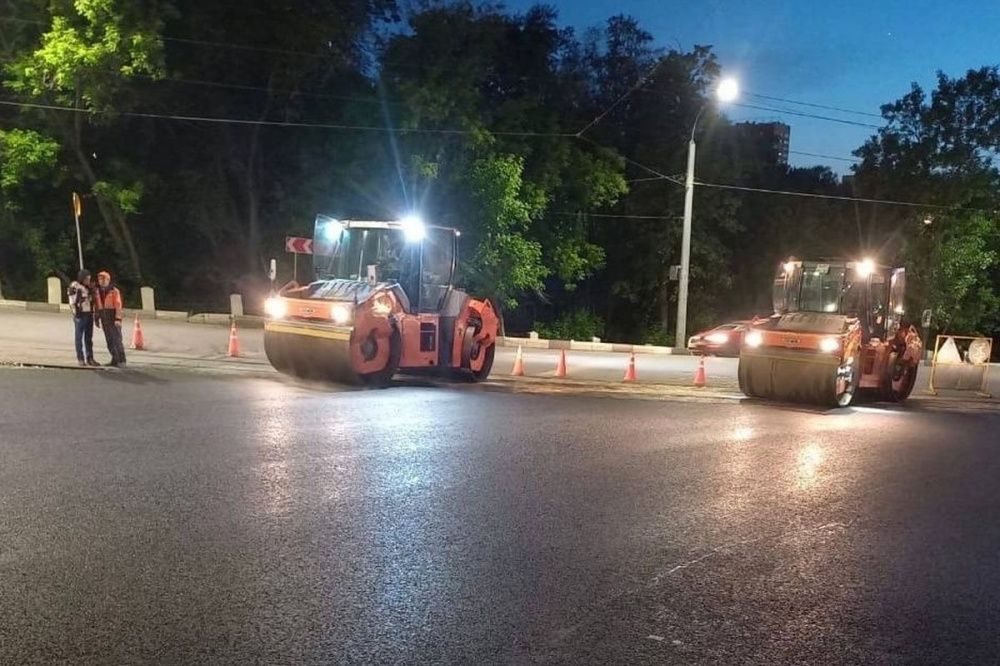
pixel 940 149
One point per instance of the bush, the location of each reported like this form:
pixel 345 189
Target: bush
pixel 573 325
pixel 658 336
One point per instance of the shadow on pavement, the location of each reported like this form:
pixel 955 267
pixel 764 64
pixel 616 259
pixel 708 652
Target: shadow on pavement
pixel 127 376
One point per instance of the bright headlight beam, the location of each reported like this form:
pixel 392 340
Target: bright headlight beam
pixel 340 314
pixel 754 339
pixel 829 345
pixel 718 338
pixel 275 307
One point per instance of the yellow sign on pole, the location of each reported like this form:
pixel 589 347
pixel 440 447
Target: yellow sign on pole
pixel 77 210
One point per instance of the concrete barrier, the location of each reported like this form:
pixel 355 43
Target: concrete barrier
pixel 581 345
pixel 32 306
pixel 55 290
pixel 171 314
pixel 578 345
pixel 210 318
pixel 236 305
pixel 249 321
pixel 148 297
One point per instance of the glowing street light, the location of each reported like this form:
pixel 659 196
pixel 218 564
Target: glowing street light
pixel 727 90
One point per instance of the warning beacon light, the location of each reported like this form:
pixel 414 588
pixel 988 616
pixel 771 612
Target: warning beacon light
pixel 413 228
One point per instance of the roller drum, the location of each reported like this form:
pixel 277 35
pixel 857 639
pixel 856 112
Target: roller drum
pixel 310 357
pixel 801 377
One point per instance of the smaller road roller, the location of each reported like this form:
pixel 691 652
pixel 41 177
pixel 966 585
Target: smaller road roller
pixel 383 301
pixel 838 329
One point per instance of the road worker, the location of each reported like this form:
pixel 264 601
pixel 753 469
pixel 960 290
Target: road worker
pixel 108 305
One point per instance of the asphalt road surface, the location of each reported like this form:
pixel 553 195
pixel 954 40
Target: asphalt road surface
pixel 186 518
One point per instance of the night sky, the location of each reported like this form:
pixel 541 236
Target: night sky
pixel 852 54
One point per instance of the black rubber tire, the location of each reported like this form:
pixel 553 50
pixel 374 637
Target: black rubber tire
pixel 484 372
pixel 382 378
pixel 905 380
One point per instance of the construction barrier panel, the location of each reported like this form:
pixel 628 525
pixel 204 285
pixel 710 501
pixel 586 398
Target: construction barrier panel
pixel 961 363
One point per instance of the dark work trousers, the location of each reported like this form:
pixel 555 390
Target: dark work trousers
pixel 113 336
pixel 84 338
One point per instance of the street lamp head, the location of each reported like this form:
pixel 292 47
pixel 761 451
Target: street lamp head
pixel 727 90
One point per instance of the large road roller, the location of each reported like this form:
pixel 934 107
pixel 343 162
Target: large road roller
pixel 383 301
pixel 838 329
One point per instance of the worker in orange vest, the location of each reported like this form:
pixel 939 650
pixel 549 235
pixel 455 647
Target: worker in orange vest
pixel 108 305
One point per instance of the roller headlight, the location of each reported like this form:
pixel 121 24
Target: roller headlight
pixel 829 345
pixel 275 307
pixel 341 314
pixel 754 339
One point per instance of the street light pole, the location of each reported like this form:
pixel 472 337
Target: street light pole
pixel 727 91
pixel 682 292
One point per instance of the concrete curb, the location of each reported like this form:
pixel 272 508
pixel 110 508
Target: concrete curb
pixel 579 345
pixel 649 389
pixel 244 321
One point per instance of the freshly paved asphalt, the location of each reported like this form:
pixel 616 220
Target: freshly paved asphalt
pixel 187 518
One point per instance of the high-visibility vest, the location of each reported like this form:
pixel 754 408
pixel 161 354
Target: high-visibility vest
pixel 109 300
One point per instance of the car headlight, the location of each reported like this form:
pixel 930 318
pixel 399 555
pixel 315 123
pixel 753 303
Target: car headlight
pixel 829 345
pixel 754 339
pixel 275 307
pixel 341 314
pixel 718 338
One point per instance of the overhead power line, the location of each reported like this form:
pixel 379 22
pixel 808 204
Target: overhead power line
pixel 815 106
pixel 642 79
pixel 803 114
pixel 813 195
pixel 659 174
pixel 202 42
pixel 279 123
pixel 825 157
pixel 623 216
pixel 245 47
pixel 249 88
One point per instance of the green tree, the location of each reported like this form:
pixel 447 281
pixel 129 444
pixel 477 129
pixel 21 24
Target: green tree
pixel 506 262
pixel 938 149
pixel 83 59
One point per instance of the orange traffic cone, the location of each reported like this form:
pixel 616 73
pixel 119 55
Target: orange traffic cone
pixel 561 365
pixel 630 370
pixel 138 342
pixel 700 380
pixel 234 342
pixel 518 370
